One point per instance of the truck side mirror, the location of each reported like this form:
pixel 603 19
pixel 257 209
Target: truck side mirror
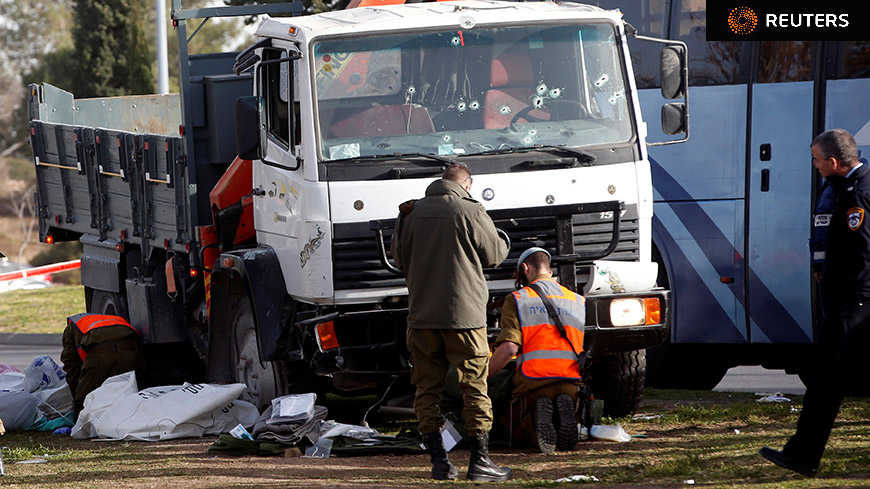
pixel 250 129
pixel 672 69
pixel 675 119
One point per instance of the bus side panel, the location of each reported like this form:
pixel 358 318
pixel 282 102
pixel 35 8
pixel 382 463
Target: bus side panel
pixel 712 163
pixel 848 107
pixel 780 189
pixel 698 214
pixel 700 243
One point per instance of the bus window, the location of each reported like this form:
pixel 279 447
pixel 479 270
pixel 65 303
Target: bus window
pixel 710 62
pixel 650 19
pixel 784 61
pixel 851 60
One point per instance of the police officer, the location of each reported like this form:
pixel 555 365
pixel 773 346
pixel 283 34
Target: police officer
pixel 548 371
pixel 845 289
pixel 96 347
pixel 442 243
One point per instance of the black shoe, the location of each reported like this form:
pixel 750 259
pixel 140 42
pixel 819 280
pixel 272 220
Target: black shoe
pixel 442 469
pixel 786 461
pixel 567 435
pixel 481 468
pixel 544 425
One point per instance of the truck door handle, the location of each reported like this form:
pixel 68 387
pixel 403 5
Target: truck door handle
pixel 765 180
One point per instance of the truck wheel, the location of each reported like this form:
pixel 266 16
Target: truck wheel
pixel 618 380
pixel 110 303
pixel 259 377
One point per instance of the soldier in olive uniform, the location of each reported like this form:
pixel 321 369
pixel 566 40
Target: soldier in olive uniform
pixel 442 243
pixel 547 377
pixel 96 347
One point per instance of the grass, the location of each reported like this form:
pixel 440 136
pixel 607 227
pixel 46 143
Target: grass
pixel 708 438
pixel 40 310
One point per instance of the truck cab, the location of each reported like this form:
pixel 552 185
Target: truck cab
pixel 252 245
pixel 356 111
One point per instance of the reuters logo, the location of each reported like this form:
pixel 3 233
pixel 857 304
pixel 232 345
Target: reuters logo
pixel 742 20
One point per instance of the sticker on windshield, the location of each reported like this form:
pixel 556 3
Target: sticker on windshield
pixel 343 151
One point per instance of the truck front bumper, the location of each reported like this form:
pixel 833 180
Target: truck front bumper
pixel 602 337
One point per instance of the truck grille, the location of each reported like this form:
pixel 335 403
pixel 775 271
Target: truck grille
pixel 357 264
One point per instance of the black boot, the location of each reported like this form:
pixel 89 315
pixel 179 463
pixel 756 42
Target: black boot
pixel 442 469
pixel 481 467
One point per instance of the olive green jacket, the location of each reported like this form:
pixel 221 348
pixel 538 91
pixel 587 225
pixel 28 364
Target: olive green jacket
pixel 442 245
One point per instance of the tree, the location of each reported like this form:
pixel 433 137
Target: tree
pixel 113 57
pixel 29 30
pixel 217 35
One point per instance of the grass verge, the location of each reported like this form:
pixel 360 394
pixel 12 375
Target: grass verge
pixel 40 310
pixel 687 439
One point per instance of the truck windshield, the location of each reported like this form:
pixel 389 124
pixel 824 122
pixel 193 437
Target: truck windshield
pixel 455 93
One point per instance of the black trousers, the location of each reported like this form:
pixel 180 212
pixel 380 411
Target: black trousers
pixel 842 365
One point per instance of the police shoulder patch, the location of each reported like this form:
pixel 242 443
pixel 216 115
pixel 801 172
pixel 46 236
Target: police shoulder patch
pixel 855 217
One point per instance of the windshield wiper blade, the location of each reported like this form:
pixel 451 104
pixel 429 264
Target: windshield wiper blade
pixel 443 159
pixel 398 156
pixel 584 157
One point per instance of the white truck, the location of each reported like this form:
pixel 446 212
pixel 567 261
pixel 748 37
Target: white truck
pixel 255 249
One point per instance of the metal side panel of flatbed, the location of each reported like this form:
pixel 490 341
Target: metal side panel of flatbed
pixel 112 184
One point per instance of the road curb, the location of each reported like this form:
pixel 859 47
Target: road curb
pixel 31 339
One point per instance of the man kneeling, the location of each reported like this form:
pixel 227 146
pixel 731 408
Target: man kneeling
pixel 547 340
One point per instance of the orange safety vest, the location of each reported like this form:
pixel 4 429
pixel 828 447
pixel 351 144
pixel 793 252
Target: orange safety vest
pixel 545 353
pixel 88 322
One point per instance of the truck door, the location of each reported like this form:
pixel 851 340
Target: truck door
pixel 278 179
pixel 779 194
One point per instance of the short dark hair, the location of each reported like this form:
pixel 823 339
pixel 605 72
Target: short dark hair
pixel 458 173
pixel 839 144
pixel 538 260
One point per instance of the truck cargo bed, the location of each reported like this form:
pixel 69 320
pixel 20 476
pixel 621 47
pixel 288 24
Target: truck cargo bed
pixel 114 183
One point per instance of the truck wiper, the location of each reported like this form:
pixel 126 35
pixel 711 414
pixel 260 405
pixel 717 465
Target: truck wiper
pixel 398 156
pixel 583 157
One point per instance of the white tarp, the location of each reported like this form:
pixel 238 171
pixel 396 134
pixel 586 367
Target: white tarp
pixel 117 410
pixel 37 398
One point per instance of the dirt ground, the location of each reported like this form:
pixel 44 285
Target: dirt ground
pixel 681 439
pixel 186 464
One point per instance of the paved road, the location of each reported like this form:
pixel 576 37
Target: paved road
pixel 19 350
pixel 757 379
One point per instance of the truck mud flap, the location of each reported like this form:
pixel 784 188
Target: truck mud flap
pixel 259 272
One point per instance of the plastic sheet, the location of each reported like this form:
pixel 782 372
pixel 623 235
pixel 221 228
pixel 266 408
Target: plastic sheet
pixel 117 410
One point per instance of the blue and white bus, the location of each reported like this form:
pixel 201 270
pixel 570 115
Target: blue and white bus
pixel 733 206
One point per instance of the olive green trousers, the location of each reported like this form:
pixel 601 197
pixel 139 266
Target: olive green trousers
pixel 433 352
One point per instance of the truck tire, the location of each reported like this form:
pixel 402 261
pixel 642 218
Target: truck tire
pixel 618 380
pixel 111 303
pixel 259 377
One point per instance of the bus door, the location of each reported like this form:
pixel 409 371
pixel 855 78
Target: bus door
pixel 779 190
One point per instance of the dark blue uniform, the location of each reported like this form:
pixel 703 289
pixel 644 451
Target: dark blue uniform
pixel 821 221
pixel 845 333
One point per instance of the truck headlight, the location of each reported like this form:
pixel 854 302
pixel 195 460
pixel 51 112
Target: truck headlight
pixel 635 311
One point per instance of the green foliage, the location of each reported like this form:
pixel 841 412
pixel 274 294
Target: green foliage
pixel 112 55
pixel 216 35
